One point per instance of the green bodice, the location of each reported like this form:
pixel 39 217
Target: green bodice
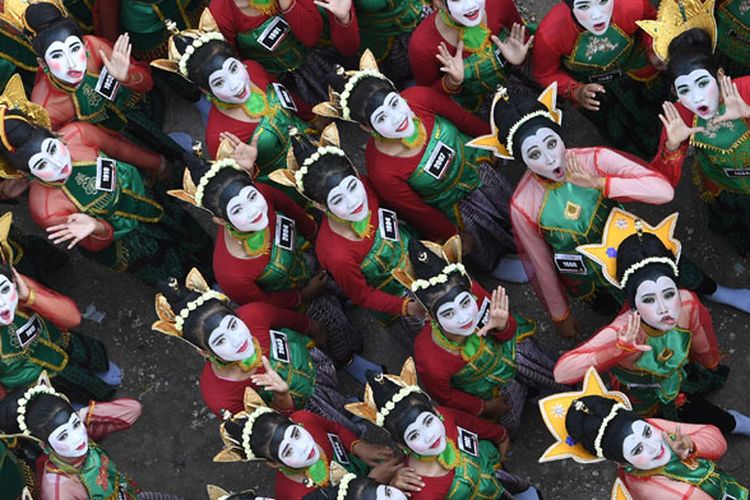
pixel 733 21
pixel 16 55
pixel 612 53
pixel 447 171
pixel 386 255
pixel 273 46
pixel 380 21
pixel 290 357
pixel 286 269
pixel 475 475
pixel 94 108
pixel 658 373
pixel 29 345
pixel 146 19
pixel 723 153
pixel 100 476
pixel 570 216
pixel 14 474
pixel 484 70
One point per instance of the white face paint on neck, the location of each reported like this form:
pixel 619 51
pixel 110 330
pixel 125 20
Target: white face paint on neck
pixel 231 340
pixel 426 435
pixel 594 15
pixel 645 448
pixel 52 163
pixel 298 448
pixel 8 300
pixel 466 12
pixel 699 92
pixel 231 83
pixel 394 118
pixel 70 440
pixel 459 316
pixel 248 210
pixel 658 302
pixel 385 492
pixel 544 154
pixel 348 200
pixel 67 60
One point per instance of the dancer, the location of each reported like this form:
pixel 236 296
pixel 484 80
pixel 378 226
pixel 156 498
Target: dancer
pixel 352 487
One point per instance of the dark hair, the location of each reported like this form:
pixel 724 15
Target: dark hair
pixel 25 138
pixel 509 112
pixel 367 95
pixel 268 432
pixel 689 51
pixel 635 249
pixel 221 188
pixel 583 425
pixel 206 59
pixel 325 174
pixel 48 24
pixel 361 488
pixel 426 265
pixel 406 411
pixel 44 413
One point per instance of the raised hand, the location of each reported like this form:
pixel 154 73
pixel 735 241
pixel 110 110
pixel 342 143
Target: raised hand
pixel 76 227
pixel 244 154
pixel 21 286
pixel 415 309
pixel 452 64
pixel 585 96
pixel 681 444
pixel 499 312
pixel 675 127
pixel 735 106
pixel 270 380
pixel 407 479
pixel 118 63
pixel 576 174
pixel 340 8
pixel 626 337
pixel 514 49
pixel 373 454
pixel 384 472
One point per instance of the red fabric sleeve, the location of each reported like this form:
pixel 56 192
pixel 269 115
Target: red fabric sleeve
pixel 554 40
pixel 52 306
pixel 422 49
pixel 305 21
pixel 274 316
pixel 502 14
pixel 281 202
pixel 139 73
pixel 708 440
pixel 669 163
pixel 225 20
pixel 104 418
pixel 704 347
pixel 440 104
pixel 106 15
pixel 484 429
pixel 345 38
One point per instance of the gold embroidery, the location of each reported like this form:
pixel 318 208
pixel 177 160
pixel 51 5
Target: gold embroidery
pixel 665 354
pixel 572 211
pixel 598 45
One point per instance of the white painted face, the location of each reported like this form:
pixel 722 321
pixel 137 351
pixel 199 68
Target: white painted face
pixel 231 340
pixel 658 302
pixel 645 448
pixel 348 200
pixel 385 492
pixel 231 83
pixel 544 154
pixel 248 210
pixel 67 60
pixel 699 92
pixel 459 316
pixel 8 300
pixel 426 435
pixel 594 15
pixel 70 440
pixel 394 118
pixel 466 12
pixel 52 163
pixel 298 448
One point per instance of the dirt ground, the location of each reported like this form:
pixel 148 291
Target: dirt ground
pixel 170 448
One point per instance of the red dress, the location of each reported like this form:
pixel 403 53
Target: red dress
pixel 222 394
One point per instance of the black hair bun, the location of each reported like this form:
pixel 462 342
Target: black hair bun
pixel 694 37
pixel 42 15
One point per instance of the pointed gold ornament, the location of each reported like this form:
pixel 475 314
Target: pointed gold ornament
pixel 675 17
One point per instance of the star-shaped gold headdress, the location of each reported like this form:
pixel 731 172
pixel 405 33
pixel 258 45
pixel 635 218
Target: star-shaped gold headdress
pixel 676 17
pixel 14 12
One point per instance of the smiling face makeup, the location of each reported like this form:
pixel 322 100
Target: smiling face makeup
pixel 70 440
pixel 645 448
pixel 348 200
pixel 248 210
pixel 52 163
pixel 298 448
pixel 386 492
pixel 459 316
pixel 543 152
pixel 394 118
pixel 699 92
pixel 658 302
pixel 426 435
pixel 8 300
pixel 231 340
pixel 466 12
pixel 594 15
pixel 230 83
pixel 66 59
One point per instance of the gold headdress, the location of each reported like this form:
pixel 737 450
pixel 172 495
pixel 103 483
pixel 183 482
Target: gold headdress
pixel 6 250
pixel 621 224
pixel 14 99
pixel 676 17
pixel 492 142
pixel 337 105
pixel 177 61
pixel 219 493
pixel 170 323
pixel 14 13
pixel 240 451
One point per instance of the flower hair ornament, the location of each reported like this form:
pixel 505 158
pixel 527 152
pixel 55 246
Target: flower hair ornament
pixel 240 451
pixel 193 193
pixel 207 31
pixel 620 225
pixel 492 142
pixel 675 17
pixel 42 386
pixel 171 323
pixel 14 13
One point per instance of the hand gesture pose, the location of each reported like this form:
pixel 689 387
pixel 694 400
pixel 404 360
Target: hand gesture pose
pixel 499 312
pixel 373 454
pixel 244 154
pixel 340 8
pixel 118 62
pixel 576 174
pixel 626 337
pixel 415 309
pixel 585 96
pixel 22 288
pixel 675 127
pixel 452 65
pixel 514 49
pixel 76 227
pixel 735 106
pixel 406 479
pixel 681 444
pixel 385 471
pixel 270 380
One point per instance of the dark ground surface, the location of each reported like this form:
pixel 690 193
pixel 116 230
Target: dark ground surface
pixel 170 448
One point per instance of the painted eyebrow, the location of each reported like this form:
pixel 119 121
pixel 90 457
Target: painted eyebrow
pixel 549 136
pixel 531 148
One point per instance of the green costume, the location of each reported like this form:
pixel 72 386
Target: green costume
pixel 286 269
pixel 733 44
pixel 16 56
pixel 288 55
pixel 15 474
pixel 299 372
pixel 382 21
pixel 81 11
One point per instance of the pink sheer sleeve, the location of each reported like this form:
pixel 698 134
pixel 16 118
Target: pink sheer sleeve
pixel 704 347
pixel 628 179
pixel 62 487
pixel 52 306
pixel 102 419
pixel 708 440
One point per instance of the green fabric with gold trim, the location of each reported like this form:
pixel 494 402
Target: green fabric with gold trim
pixel 93 107
pixel 99 475
pixel 483 72
pixel 14 474
pixel 733 44
pixel 459 179
pixel 474 477
pixel 662 368
pixel 82 13
pixel 286 269
pixel 570 216
pixel 299 373
pixel 289 54
pixel 16 56
pixel 701 473
pixel 380 21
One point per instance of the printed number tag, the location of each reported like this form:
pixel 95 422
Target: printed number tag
pixel 500 58
pixel 279 346
pixel 338 449
pixel 605 78
pixel 468 442
pixel 439 160
pixel 737 172
pixel 274 33
pixel 107 85
pixel 570 263
pixel 106 171
pixel 28 332
pixel 484 314
pixel 727 496
pixel 285 98
pixel 285 232
pixel 388 221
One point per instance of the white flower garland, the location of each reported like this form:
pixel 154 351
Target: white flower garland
pixel 190 50
pixel 603 427
pixel 344 486
pixel 520 122
pixel 247 431
pixel 322 151
pixel 440 278
pixel 649 260
pixel 390 405
pixel 349 87
pixel 180 319
pixel 30 394
pixel 215 168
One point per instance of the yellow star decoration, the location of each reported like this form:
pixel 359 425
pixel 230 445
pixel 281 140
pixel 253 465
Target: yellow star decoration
pixel 676 17
pixel 554 410
pixel 619 491
pixel 619 226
